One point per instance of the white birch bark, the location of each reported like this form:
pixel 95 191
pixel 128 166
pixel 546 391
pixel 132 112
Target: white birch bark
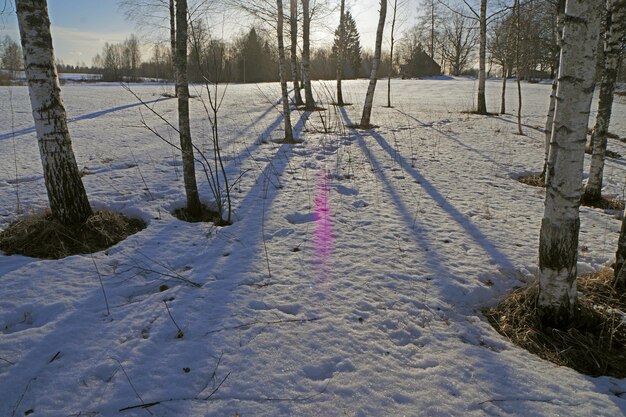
pixel 558 240
pixel 503 93
pixel 68 200
pixel 340 54
pixel 306 56
pixel 293 32
pixel 550 118
pixel 391 44
pixel 283 73
pixel 619 270
pixel 194 208
pixel 482 57
pixel 369 97
pixel 616 27
pixel 172 11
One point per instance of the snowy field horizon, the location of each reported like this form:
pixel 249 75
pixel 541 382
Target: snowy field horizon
pixel 351 282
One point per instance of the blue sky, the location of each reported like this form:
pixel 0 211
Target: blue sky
pixel 81 27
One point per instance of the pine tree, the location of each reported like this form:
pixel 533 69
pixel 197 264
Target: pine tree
pixel 351 47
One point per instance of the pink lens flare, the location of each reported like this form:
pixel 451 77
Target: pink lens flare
pixel 323 233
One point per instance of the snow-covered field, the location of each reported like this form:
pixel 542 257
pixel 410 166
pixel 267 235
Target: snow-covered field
pixel 350 283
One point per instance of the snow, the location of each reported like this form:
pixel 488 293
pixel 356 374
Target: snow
pixel 350 284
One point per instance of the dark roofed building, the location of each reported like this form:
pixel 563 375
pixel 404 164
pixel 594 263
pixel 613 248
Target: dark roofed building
pixel 420 65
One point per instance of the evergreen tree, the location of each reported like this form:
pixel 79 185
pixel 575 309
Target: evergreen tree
pixel 256 60
pixel 351 48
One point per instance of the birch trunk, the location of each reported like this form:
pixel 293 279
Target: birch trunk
pixel 369 97
pixel 306 56
pixel 173 45
pixel 517 64
pixel 558 240
pixel 619 269
pixel 194 208
pixel 503 96
pixel 283 73
pixel 393 26
pixel 293 11
pixel 340 49
pixel 560 13
pixel 616 26
pixel 482 104
pixel 66 193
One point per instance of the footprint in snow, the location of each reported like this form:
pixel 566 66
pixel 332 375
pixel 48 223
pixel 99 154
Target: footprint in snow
pixel 343 190
pixel 300 218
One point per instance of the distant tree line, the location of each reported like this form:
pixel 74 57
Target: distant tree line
pixel 11 59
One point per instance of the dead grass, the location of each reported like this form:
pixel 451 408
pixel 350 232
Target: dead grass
pixel 607 153
pixel 42 236
pixel 207 216
pixel 594 344
pixel 535 180
pixel 603 203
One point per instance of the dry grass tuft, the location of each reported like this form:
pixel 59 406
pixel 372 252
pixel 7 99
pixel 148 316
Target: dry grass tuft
pixel 603 203
pixel 42 236
pixel 207 216
pixel 535 180
pixel 594 344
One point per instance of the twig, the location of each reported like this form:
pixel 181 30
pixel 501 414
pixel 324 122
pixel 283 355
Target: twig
pixel 240 326
pixel 277 399
pixel 141 174
pixel 177 277
pixel 535 400
pixel 180 333
pixel 267 257
pixel 17 180
pixel 106 300
pixel 175 274
pixel 142 405
pixel 7 361
pixel 131 384
pixel 22 396
pixel 216 388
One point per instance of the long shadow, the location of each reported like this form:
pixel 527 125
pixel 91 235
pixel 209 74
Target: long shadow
pixel 480 359
pixel 87 116
pixel 538 129
pixel 470 228
pixel 448 285
pixel 220 292
pixel 454 139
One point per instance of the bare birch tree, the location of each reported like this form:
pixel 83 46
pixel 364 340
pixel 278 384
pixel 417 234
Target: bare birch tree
pixel 391 45
pixel 482 58
pixel 369 97
pixel 306 56
pixel 560 16
pixel 558 240
pixel 283 73
pixel 194 207
pixel 66 193
pixel 293 32
pixel 340 50
pixel 615 29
